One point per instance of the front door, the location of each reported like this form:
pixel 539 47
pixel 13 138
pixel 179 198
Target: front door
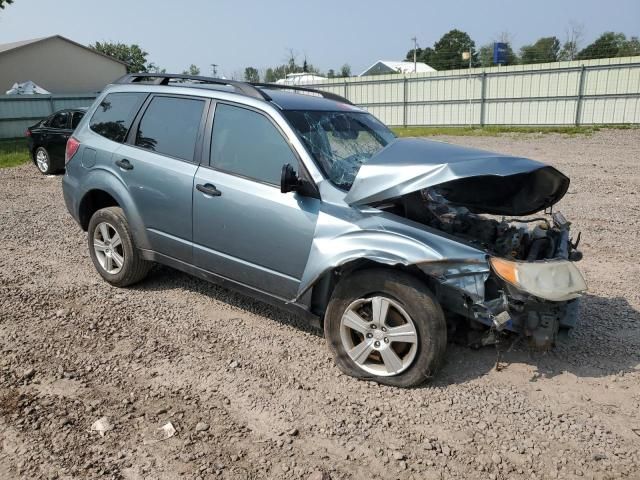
pixel 243 227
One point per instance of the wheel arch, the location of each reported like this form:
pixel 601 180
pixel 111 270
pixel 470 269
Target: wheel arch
pixel 103 190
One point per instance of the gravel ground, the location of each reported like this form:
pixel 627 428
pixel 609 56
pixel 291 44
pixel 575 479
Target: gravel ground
pixel 253 392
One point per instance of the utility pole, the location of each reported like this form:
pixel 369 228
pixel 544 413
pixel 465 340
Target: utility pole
pixel 415 48
pixel 214 69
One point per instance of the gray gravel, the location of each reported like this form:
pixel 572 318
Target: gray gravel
pixel 253 392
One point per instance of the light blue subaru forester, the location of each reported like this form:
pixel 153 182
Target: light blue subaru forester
pixel 301 199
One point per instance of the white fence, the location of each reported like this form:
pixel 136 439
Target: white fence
pixel 592 92
pixel 588 92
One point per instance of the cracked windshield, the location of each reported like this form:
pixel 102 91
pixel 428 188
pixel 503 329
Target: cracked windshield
pixel 340 142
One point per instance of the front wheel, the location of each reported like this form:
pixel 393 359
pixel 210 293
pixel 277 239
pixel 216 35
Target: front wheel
pixel 385 325
pixel 112 248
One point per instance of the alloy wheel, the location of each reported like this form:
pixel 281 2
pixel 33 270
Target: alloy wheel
pixel 42 160
pixel 379 336
pixel 108 248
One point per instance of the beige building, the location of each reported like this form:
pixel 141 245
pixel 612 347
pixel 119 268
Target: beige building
pixel 58 65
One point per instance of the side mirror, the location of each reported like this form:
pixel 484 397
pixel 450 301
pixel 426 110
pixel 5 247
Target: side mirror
pixel 289 181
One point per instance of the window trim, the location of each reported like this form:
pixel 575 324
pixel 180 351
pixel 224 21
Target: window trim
pixel 135 115
pixel 206 157
pixel 130 139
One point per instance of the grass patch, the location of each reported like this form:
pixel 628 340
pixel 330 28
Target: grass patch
pixel 13 152
pixel 492 131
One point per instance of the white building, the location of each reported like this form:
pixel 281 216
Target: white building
pixel 58 65
pixel 384 67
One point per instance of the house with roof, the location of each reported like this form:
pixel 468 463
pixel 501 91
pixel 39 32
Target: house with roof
pixel 382 67
pixel 58 65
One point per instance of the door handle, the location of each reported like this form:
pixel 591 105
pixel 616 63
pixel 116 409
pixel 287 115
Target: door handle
pixel 124 164
pixel 209 189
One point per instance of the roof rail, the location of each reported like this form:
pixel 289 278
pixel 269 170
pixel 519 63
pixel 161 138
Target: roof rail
pixel 327 95
pixel 255 90
pixel 164 79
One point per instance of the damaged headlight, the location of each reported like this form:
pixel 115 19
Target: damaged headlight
pixel 556 280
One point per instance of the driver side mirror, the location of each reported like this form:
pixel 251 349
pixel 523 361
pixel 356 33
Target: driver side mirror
pixel 289 180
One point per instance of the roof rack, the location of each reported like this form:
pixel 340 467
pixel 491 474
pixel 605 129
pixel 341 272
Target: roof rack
pixel 327 95
pixel 255 90
pixel 164 79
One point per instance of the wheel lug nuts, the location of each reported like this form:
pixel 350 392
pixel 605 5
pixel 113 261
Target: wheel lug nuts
pixel 383 329
pixel 377 344
pixel 373 325
pixel 369 335
pixel 386 339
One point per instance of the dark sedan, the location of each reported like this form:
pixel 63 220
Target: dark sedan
pixel 48 138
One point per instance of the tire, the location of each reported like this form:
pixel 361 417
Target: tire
pixel 126 266
pixel 42 160
pixel 405 296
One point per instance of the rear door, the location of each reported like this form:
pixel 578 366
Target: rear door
pixel 158 163
pixel 244 228
pixel 56 135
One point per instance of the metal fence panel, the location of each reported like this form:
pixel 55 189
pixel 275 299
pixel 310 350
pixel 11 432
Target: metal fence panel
pixel 604 91
pixel 17 112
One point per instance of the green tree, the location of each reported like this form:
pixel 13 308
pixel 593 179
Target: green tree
pixel 424 55
pixel 571 46
pixel 193 70
pixel 5 2
pixel 609 44
pixel 132 55
pixel 331 73
pixel 251 74
pixel 274 74
pixel 345 70
pixel 630 48
pixel 447 52
pixel 545 50
pixel 153 68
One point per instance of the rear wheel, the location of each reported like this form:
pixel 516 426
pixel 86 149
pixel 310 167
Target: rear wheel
pixel 43 161
pixel 386 326
pixel 112 248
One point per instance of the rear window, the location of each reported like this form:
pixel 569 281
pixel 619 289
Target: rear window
pixel 114 115
pixel 170 126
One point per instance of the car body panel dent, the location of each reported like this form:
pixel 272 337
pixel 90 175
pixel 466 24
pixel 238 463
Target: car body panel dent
pixel 344 235
pixel 501 184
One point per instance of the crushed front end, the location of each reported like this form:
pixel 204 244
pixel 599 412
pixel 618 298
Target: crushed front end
pixel 529 285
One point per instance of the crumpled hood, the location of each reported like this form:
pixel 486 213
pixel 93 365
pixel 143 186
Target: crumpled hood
pixel 484 182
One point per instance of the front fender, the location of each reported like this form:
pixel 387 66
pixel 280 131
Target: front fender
pixel 103 179
pixel 343 236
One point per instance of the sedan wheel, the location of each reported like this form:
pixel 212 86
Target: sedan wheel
pixel 42 160
pixel 379 336
pixel 108 248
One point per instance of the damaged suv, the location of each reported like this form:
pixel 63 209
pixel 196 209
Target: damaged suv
pixel 301 199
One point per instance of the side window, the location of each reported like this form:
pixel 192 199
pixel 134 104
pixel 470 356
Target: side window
pixel 59 120
pixel 170 126
pixel 75 119
pixel 114 115
pixel 247 143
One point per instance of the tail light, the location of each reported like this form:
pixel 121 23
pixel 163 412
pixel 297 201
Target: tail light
pixel 72 148
pixel 27 133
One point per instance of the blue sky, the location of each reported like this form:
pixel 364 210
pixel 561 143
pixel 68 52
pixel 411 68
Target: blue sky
pixel 235 34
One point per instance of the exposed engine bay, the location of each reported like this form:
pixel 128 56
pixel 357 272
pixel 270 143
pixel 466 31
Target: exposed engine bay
pixel 524 239
pixel 487 299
